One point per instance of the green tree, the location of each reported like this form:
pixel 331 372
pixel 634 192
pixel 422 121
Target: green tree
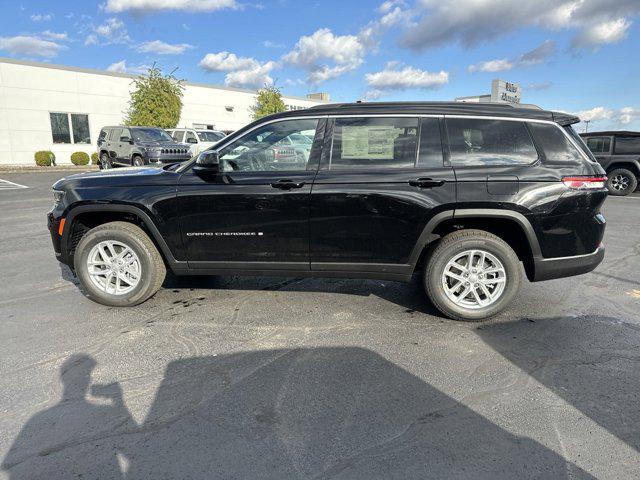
pixel 156 100
pixel 268 101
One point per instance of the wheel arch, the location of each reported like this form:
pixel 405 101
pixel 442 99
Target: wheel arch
pixel 96 215
pixel 632 165
pixel 500 222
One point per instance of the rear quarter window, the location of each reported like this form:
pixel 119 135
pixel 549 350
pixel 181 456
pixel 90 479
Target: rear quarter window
pixel 554 143
pixel 489 142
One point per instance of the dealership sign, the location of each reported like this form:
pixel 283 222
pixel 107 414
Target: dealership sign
pixel 502 91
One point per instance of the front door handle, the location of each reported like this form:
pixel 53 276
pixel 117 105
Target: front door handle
pixel 426 182
pixel 286 184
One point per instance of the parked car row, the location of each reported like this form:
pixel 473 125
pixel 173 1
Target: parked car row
pixel 138 146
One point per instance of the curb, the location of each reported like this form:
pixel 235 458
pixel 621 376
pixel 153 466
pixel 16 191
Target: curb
pixel 36 169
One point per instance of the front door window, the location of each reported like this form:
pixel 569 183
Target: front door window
pixel 270 148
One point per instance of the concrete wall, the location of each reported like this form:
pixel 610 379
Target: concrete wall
pixel 30 91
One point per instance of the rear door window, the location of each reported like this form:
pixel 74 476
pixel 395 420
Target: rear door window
pixel 374 143
pixel 554 143
pixel 474 142
pixel 627 146
pixel 599 144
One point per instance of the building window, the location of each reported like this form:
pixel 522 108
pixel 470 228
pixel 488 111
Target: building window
pixel 70 128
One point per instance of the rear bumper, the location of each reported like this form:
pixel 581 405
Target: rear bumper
pixel 550 268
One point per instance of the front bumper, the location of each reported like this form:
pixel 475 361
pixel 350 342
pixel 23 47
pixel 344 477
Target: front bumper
pixel 53 224
pixel 550 268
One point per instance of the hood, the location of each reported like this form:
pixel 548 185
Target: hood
pixel 119 177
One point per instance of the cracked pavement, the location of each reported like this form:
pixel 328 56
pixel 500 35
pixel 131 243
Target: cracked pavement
pixel 229 377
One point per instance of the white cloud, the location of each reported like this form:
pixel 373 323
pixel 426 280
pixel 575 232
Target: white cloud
pixel 270 44
pixel 539 86
pixel 161 48
pixel 500 65
pixel 30 46
pixel 405 78
pixel 112 31
pixel 121 67
pixel 41 17
pixel 325 55
pixel 55 35
pixel 241 71
pixel 595 114
pixel 627 115
pixel 611 31
pixel 149 6
pixel 438 22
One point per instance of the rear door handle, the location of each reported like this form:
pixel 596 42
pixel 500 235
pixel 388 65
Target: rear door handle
pixel 286 184
pixel 426 182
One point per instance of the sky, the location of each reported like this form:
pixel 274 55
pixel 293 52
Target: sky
pixel 578 56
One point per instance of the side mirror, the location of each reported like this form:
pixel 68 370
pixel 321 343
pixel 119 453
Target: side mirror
pixel 208 162
pixel 192 140
pixel 124 139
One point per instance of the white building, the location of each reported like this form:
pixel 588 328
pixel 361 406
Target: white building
pixel 59 108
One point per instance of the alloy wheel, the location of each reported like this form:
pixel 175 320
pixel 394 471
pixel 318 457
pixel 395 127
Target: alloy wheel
pixel 474 279
pixel 114 267
pixel 620 182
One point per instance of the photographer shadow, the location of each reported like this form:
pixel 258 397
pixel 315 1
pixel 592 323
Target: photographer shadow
pixel 278 414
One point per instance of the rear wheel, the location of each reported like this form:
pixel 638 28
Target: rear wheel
pixel 621 182
pixel 472 275
pixel 118 265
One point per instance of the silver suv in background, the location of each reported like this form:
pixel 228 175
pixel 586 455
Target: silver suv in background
pixel 197 140
pixel 138 146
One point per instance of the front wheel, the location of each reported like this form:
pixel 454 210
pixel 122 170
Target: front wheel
pixel 472 275
pixel 137 161
pixel 118 265
pixel 621 182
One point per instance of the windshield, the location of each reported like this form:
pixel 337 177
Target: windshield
pixel 578 139
pixel 210 136
pixel 150 135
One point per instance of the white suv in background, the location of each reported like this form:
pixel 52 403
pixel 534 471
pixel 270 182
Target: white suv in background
pixel 198 140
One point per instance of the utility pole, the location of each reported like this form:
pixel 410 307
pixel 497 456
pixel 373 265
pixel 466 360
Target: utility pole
pixel 586 126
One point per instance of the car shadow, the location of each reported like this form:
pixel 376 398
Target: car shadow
pixel 410 296
pixel 274 414
pixel 590 362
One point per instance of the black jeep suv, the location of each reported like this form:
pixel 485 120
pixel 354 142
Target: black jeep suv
pixel 138 146
pixel 468 195
pixel 619 154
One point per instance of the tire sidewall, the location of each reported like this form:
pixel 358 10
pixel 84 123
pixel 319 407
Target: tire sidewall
pixel 633 182
pixel 440 258
pixel 139 293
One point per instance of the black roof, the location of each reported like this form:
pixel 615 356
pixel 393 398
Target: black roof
pixel 436 108
pixel 617 133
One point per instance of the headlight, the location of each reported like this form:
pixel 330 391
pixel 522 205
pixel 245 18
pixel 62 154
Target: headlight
pixel 151 149
pixel 58 195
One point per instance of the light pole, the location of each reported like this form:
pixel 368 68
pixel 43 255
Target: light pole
pixel 586 126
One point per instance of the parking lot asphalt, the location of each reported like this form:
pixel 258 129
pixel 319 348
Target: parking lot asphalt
pixel 279 378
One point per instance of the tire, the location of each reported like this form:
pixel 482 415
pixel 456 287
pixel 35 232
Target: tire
pixel 496 252
pixel 149 264
pixel 105 161
pixel 621 182
pixel 137 161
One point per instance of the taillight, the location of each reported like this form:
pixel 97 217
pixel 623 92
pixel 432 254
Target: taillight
pixel 584 183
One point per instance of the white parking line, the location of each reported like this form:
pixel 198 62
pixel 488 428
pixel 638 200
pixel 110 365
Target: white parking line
pixel 7 185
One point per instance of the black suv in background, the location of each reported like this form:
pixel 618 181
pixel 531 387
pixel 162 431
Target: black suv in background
pixel 138 146
pixel 619 154
pixel 468 195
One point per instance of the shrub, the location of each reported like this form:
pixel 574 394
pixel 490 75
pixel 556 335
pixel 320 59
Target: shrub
pixel 94 158
pixel 80 158
pixel 44 158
